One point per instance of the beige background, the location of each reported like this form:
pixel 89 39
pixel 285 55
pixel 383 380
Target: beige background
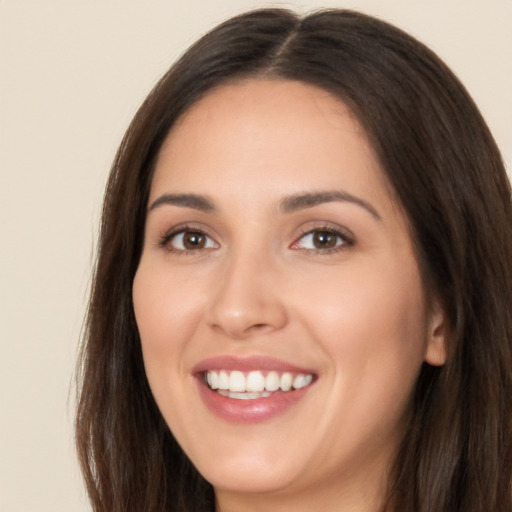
pixel 72 75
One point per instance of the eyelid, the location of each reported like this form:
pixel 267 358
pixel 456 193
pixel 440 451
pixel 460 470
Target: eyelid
pixel 345 235
pixel 167 236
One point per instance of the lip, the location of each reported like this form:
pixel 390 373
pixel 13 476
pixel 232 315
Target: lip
pixel 247 364
pixel 248 411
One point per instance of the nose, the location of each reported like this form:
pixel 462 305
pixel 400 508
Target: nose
pixel 247 301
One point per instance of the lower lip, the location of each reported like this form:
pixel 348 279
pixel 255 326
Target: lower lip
pixel 249 411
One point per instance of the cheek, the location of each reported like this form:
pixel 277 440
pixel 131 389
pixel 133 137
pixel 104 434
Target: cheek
pixel 167 313
pixel 163 303
pixel 167 310
pixel 376 304
pixel 373 326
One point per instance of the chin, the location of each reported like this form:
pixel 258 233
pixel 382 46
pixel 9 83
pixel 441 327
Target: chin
pixel 248 478
pixel 249 467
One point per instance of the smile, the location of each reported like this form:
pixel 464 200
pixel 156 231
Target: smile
pixel 254 384
pixel 252 389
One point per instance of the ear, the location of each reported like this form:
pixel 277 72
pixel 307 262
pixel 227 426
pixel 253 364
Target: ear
pixel 435 353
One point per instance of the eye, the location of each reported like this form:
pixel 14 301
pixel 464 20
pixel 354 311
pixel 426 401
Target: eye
pixel 324 240
pixel 187 240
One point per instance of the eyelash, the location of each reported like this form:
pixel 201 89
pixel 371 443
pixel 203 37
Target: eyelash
pixel 167 238
pixel 346 238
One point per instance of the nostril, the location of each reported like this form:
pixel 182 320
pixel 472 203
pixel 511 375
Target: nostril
pixel 261 328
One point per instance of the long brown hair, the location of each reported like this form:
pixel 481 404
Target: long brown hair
pixel 448 176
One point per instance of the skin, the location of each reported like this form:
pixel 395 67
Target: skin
pixel 355 313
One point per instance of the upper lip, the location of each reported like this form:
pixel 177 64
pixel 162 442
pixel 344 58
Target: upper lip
pixel 247 364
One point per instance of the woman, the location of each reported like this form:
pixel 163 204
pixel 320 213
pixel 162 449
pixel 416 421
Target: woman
pixel 302 294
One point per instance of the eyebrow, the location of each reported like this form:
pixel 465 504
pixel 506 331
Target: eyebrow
pixel 289 204
pixel 309 200
pixel 197 202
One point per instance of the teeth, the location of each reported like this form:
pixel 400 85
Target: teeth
pixel 213 379
pixel 237 381
pixel 244 396
pixel 301 381
pixel 286 382
pixel 272 381
pixel 255 384
pixel 223 382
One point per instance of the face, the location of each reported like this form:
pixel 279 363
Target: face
pixel 278 269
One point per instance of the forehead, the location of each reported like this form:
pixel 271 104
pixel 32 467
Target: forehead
pixel 268 131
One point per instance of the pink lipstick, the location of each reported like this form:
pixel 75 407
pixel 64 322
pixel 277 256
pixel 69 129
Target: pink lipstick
pixel 251 389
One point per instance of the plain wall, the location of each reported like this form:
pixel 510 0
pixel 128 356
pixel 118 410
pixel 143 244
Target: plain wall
pixel 72 74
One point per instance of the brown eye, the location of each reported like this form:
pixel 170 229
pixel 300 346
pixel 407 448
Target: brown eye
pixel 324 240
pixel 188 240
pixel 193 240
